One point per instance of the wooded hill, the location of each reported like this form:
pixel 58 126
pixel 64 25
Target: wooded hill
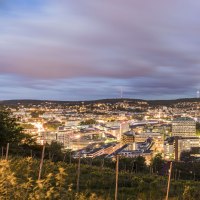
pixel 29 102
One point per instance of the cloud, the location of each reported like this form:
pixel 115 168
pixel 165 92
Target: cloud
pixel 151 46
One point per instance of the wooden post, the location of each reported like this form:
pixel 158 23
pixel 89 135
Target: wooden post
pixel 70 157
pixel 2 152
pixel 78 172
pixel 117 175
pixel 136 168
pixel 41 163
pixel 91 160
pixel 169 180
pixel 102 163
pixel 175 175
pixel 64 157
pixel 179 173
pixel 7 150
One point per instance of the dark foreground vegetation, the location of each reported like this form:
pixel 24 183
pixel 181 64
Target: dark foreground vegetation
pixel 18 180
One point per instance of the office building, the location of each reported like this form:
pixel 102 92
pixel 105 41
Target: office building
pixel 184 127
pixel 174 146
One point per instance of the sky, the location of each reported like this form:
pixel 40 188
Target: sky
pixel 94 49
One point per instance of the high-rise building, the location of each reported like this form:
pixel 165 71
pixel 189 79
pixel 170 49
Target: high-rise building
pixel 184 127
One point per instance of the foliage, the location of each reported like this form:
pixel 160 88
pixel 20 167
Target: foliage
pixel 191 193
pixel 198 128
pixel 185 156
pixel 88 122
pixel 55 151
pixel 52 125
pixel 138 117
pixel 27 126
pixel 157 164
pixel 36 114
pixel 10 131
pixel 18 180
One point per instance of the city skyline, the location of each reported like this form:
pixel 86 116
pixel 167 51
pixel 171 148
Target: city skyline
pixel 99 49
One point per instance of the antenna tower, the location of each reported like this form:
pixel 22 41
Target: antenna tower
pixel 198 94
pixel 121 93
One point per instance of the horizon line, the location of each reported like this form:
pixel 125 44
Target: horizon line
pixel 185 98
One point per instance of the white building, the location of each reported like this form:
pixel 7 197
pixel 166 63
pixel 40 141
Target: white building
pixel 184 127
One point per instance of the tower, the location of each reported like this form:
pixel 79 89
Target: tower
pixel 121 92
pixel 198 94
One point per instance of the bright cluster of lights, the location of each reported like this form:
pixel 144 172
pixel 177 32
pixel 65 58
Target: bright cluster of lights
pixel 39 126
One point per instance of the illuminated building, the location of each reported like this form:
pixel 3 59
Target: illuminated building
pixel 184 127
pixel 174 146
pixel 128 137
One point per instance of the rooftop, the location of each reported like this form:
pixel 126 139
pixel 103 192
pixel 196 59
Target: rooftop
pixel 129 133
pixel 183 119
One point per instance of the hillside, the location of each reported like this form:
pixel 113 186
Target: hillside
pixel 111 101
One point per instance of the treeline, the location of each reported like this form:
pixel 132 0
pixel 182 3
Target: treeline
pixel 111 101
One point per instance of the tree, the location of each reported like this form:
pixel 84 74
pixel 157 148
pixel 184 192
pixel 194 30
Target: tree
pixel 52 125
pixel 88 122
pixel 36 114
pixel 185 156
pixel 55 151
pixel 198 128
pixel 191 193
pixel 138 117
pixel 140 164
pixel 158 163
pixel 27 126
pixel 10 131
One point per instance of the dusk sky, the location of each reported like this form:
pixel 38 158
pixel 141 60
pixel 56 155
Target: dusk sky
pixel 90 49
